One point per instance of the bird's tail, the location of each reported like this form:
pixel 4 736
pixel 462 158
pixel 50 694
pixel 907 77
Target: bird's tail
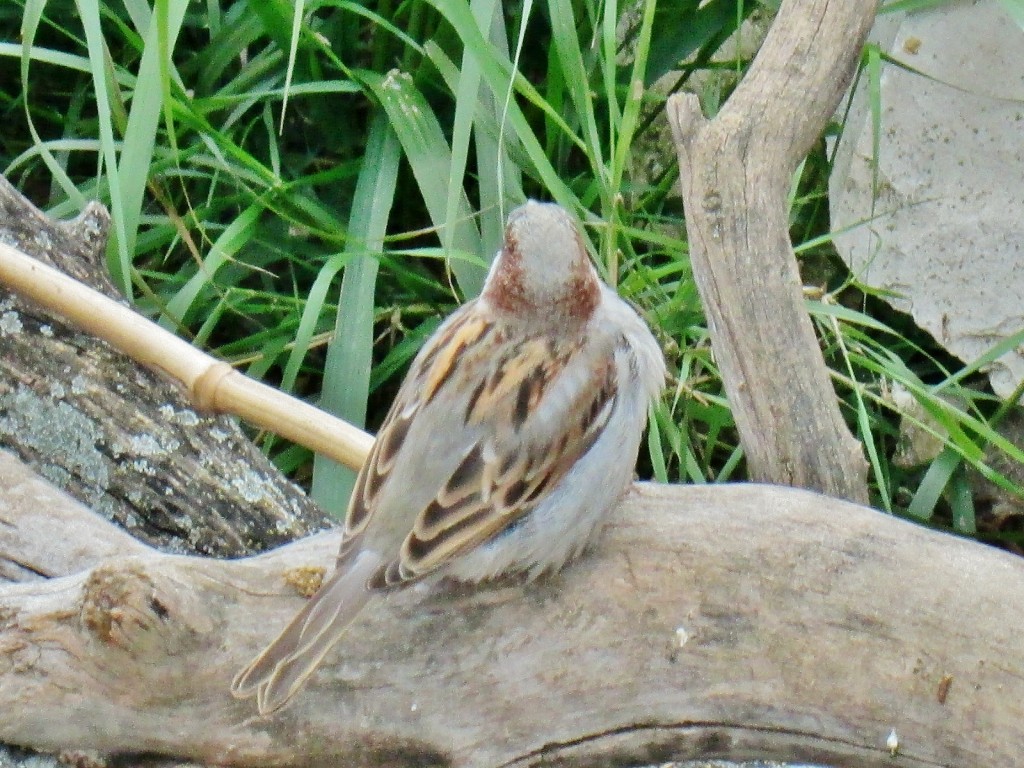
pixel 280 670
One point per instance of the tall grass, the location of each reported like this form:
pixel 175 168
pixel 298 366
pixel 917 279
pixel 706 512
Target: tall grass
pixel 307 188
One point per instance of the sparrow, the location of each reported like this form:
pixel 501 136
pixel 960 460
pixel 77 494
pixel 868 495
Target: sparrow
pixel 513 434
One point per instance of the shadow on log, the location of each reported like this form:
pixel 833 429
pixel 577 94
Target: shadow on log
pixel 733 622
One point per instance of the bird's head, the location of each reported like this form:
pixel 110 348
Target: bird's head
pixel 543 272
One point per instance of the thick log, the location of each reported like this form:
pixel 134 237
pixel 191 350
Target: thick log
pixel 735 174
pixel 733 622
pixel 119 437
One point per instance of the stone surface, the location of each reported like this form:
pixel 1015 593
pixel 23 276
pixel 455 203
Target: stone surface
pixel 942 229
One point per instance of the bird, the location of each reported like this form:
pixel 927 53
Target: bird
pixel 514 433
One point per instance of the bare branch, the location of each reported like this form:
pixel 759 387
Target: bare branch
pixel 736 172
pixel 44 533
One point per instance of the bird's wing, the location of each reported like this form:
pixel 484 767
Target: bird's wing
pixel 480 431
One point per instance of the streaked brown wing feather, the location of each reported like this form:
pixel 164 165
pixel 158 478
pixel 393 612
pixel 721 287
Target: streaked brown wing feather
pixel 432 368
pixel 486 494
pixel 501 477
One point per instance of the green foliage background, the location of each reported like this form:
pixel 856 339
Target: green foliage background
pixel 306 189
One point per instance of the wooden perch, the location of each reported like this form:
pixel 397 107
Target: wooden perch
pixel 735 172
pixel 731 622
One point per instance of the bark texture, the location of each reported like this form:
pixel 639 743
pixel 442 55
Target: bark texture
pixel 730 622
pixel 119 437
pixel 736 171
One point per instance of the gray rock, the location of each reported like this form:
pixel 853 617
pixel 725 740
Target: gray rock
pixel 939 223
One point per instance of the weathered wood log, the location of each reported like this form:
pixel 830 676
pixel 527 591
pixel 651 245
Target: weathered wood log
pixel 119 437
pixel 733 621
pixel 735 173
pixel 44 533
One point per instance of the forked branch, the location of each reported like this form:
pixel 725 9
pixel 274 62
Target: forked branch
pixel 735 172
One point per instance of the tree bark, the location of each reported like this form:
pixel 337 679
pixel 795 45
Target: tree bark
pixel 735 174
pixel 119 437
pixel 791 626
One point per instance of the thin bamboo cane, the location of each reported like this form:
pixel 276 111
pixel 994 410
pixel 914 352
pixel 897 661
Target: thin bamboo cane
pixel 213 385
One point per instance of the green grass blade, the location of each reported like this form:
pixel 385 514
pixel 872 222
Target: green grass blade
pixel 655 447
pixel 874 69
pixel 293 47
pixel 29 25
pixel 44 55
pixel 574 70
pixel 118 255
pixel 427 151
pixel 350 355
pixel 961 503
pixel 908 6
pixel 634 98
pixel 683 27
pixel 466 104
pixel 502 189
pixel 223 249
pixel 922 506
pixel 497 74
pixel 609 69
pixel 139 12
pixel 1007 345
pixel 133 168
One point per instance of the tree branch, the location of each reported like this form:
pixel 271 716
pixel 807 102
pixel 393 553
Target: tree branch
pixel 736 172
pixel 793 627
